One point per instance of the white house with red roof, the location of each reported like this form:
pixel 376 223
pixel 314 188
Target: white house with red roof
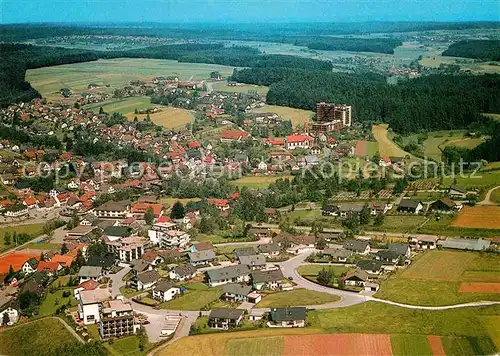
pixel 298 141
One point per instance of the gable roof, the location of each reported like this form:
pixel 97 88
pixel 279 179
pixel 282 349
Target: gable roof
pixel 90 271
pixel 89 285
pixel 267 248
pixel 244 251
pixel 409 203
pixel 148 276
pixel 356 245
pixel 358 274
pixel 253 260
pixel 288 314
pixel 163 285
pixel 139 265
pixel 399 248
pixel 228 272
pixel 185 270
pixel 267 276
pixel 202 246
pixel 105 261
pixel 48 266
pixel 205 255
pixel 369 265
pixel 235 288
pixel 226 313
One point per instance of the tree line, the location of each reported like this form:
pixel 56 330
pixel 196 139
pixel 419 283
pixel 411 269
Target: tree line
pixel 486 50
pixel 434 102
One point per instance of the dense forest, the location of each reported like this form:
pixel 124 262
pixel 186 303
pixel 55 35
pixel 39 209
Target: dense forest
pixel 486 50
pixel 436 102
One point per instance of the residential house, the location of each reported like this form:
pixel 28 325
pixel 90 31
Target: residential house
pixel 225 318
pixel 387 256
pixel 244 251
pixel 233 135
pixel 183 273
pixel 153 258
pixel 356 278
pixel 379 207
pixel 30 266
pixel 445 206
pixel 16 210
pixel 346 209
pixel 465 244
pixel 271 279
pixel 87 285
pixel 140 265
pixel 269 250
pixel 165 291
pixel 146 280
pixel 106 262
pixel 51 268
pixel 117 319
pixel 339 255
pixel 201 258
pixel 201 246
pixel 90 305
pixel 402 249
pixel 112 209
pixel 284 240
pixel 370 266
pixel 410 206
pixel 423 242
pixel 139 209
pixel 128 248
pixel 254 262
pixel 8 306
pixel 240 293
pixel 260 232
pixel 90 273
pixel 291 317
pixel 298 141
pixel 166 235
pixel 358 246
pixel 229 274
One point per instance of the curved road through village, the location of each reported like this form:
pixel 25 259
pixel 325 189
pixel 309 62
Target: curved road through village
pixel 289 268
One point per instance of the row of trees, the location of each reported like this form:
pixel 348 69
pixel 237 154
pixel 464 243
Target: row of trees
pixel 487 50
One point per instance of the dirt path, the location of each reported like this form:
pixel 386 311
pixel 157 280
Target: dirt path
pixel 487 198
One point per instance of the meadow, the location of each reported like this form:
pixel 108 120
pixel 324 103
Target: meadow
pixel 240 88
pixel 257 182
pixel 115 73
pixel 465 64
pixel 31 229
pixel 386 147
pixel 296 116
pixel 297 297
pixel 435 278
pixel 37 338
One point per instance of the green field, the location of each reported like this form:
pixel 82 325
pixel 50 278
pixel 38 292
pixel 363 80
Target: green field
pixel 44 246
pixel 256 182
pixel 311 271
pixel 31 229
pixel 434 278
pixel 410 345
pixel 468 345
pixel 115 73
pixel 240 88
pixel 38 338
pixel 296 116
pixel 268 346
pixel 194 299
pixel 53 301
pixel 297 297
pixel 127 346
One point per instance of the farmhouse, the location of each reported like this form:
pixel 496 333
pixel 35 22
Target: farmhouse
pixel 292 317
pixel 410 206
pixel 233 135
pixel 445 206
pixel 225 318
pixel 457 193
pixel 465 244
pixel 423 242
pixel 229 274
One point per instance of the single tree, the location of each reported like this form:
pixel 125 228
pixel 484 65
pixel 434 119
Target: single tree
pixel 178 211
pixel 64 249
pixel 6 238
pixel 5 319
pixel 149 216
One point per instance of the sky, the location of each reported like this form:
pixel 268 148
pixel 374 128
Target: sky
pixel 178 11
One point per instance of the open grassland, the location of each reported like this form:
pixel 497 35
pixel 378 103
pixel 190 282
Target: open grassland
pixel 433 143
pixel 465 64
pixel 115 73
pixel 468 345
pixel 127 346
pixel 479 216
pixel 53 301
pixel 311 271
pixel 194 299
pixel 31 229
pixel 171 200
pixel 492 323
pixel 386 146
pixel 240 88
pixel 435 278
pixel 366 148
pixel 123 106
pixel 297 297
pixel 466 142
pixel 410 345
pixel 257 181
pixel 168 117
pixel 38 338
pixel 488 176
pixel 267 346
pixel 296 116
pixel 409 328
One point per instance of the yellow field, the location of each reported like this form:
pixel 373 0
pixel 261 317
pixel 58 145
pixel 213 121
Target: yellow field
pixel 168 117
pixel 296 116
pixel 386 146
pixel 467 142
pixel 257 182
pixel 240 88
pixel 171 201
pixel 215 344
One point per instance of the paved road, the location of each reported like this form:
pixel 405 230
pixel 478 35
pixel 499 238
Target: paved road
pixel 487 200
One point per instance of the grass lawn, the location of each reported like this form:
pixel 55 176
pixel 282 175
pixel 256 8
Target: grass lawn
pixel 434 278
pixel 39 338
pixel 194 299
pixel 129 292
pixel 171 201
pixel 297 297
pixel 31 229
pixel 240 88
pixel 311 271
pixel 227 250
pixel 296 116
pixel 49 306
pixel 486 177
pixel 127 346
pixel 44 246
pixel 402 223
pixel 257 182
pixel 268 346
pixel 410 345
pixel 168 117
pixel 386 146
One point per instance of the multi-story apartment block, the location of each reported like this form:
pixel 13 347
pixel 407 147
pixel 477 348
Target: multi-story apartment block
pixel 117 319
